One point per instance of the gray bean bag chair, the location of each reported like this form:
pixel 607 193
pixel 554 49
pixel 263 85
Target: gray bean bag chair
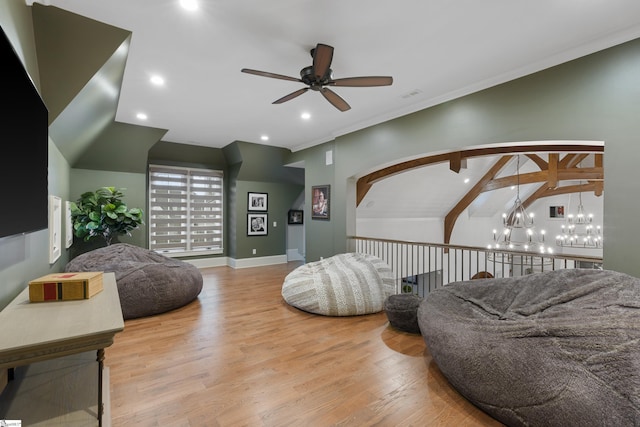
pixel 148 283
pixel 560 348
pixel 342 285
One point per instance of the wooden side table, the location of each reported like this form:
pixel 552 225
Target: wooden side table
pixel 38 331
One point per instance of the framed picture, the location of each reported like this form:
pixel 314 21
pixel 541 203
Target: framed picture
pixel 557 212
pixel 68 229
pixel 256 224
pixel 55 228
pixel 296 217
pixel 320 201
pixel 257 202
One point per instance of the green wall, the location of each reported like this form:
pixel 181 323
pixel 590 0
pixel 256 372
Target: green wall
pixel 135 196
pixel 595 98
pixel 26 257
pixel 259 168
pixel 280 199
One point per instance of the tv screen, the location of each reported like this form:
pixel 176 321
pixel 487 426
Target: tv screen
pixel 24 131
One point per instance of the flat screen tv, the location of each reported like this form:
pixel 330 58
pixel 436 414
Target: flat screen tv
pixel 24 132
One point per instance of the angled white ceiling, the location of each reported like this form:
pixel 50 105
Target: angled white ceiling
pixel 434 49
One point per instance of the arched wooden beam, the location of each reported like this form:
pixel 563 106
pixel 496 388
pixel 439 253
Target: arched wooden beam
pixel 364 183
pixel 543 176
pixel 562 173
pixel 543 191
pixel 451 218
pixel 542 164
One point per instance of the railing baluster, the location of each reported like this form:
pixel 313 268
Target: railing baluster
pixel 426 261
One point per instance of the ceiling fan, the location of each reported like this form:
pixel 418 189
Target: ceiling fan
pixel 319 75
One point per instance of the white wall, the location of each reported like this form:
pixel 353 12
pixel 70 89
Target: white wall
pixel 478 231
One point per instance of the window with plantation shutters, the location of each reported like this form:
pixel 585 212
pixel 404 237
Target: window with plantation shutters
pixel 185 210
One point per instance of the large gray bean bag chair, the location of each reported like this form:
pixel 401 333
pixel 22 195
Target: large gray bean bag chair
pixel 148 283
pixel 560 348
pixel 343 285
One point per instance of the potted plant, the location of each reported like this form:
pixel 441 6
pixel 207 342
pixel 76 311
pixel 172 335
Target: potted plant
pixel 102 213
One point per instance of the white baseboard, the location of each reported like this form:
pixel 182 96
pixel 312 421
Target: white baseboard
pixel 258 261
pixel 209 262
pixel 241 263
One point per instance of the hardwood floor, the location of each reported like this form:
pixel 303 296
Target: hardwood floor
pixel 240 356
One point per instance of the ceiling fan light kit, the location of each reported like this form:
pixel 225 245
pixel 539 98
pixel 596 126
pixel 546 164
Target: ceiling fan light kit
pixel 319 75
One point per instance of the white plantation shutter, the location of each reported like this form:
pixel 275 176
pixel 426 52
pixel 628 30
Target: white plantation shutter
pixel 185 210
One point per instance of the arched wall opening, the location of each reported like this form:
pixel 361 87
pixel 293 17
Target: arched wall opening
pixel 458 197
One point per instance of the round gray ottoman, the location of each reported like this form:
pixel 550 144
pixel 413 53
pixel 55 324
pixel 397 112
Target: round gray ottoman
pixel 402 312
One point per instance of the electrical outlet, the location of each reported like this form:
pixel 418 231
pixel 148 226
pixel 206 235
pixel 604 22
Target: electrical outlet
pixel 275 224
pixel 254 251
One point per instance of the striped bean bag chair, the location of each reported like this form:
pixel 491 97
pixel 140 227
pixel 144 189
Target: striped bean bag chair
pixel 343 285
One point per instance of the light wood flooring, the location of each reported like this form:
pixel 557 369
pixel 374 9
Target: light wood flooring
pixel 240 356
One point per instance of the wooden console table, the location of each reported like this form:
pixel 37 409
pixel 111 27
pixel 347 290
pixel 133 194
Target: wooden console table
pixel 37 331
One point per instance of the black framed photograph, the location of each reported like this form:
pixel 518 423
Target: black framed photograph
pixel 320 201
pixel 296 217
pixel 256 224
pixel 257 202
pixel 557 212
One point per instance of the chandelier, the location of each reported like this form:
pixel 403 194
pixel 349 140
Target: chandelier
pixel 518 229
pixel 579 231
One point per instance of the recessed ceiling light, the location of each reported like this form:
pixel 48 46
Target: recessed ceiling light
pixel 157 80
pixel 189 4
pixel 141 116
pixel 264 138
pixel 466 180
pixel 305 116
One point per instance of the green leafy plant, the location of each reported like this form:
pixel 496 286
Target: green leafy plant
pixel 102 213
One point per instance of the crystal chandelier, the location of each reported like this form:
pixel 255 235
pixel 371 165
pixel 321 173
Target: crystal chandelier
pixel 518 229
pixel 579 231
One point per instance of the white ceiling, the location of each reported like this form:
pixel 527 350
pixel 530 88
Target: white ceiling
pixel 435 50
pixel 435 190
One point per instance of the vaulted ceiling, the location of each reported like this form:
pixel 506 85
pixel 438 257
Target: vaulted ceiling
pixel 481 180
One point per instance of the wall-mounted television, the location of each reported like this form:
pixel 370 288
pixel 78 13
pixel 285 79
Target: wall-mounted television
pixel 24 135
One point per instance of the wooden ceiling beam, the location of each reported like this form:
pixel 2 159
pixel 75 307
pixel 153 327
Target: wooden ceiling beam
pixel 542 176
pixel 542 164
pixel 451 218
pixel 543 191
pixel 572 160
pixel 364 183
pixel 552 178
pixel 457 162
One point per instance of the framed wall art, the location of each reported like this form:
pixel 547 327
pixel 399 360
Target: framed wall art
pixel 320 201
pixel 557 212
pixel 296 217
pixel 256 224
pixel 257 202
pixel 55 228
pixel 68 229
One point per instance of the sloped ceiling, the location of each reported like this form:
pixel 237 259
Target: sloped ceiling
pixel 81 63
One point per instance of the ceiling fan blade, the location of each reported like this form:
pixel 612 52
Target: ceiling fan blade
pixel 335 99
pixel 322 57
pixel 272 75
pixel 362 81
pixel 290 96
